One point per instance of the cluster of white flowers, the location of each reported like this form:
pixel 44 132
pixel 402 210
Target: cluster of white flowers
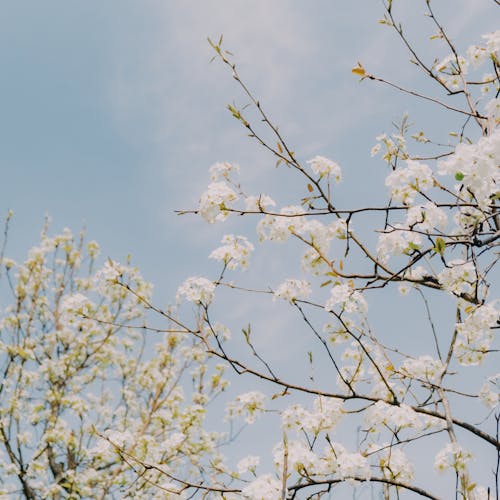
pixel 276 228
pixel 222 171
pixel 426 218
pixel 423 368
pixel 299 458
pixel 398 240
pixel 326 414
pixel 259 203
pixel 264 487
pixel 196 289
pixel 76 303
pixel 490 391
pixel 319 237
pixel 350 300
pixel 458 277
pixel 405 183
pixel 251 404
pixel 475 333
pixel 234 252
pixel 324 167
pixel 475 166
pixel 215 201
pixel 395 147
pixel 349 465
pixel 454 68
pixel 292 290
pixel 452 456
pixel 398 417
pixel 393 463
pixel 492 109
pixel 336 333
pixel 248 464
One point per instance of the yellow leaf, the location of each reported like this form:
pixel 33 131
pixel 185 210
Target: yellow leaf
pixel 310 188
pixel 359 70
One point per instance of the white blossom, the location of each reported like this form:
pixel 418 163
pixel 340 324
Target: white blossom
pixel 292 290
pixel 452 456
pixel 490 391
pixel 324 167
pixel 215 201
pixel 222 170
pixel 458 277
pixel 475 166
pixel 250 404
pixel 248 464
pixel 265 487
pixel 259 203
pixel 234 252
pixel 423 368
pixel 349 299
pixel 197 289
pixel 406 182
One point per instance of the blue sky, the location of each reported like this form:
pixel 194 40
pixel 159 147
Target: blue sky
pixel 112 114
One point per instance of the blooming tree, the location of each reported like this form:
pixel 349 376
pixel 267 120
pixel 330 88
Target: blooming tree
pixel 93 407
pixel 434 241
pixel 82 391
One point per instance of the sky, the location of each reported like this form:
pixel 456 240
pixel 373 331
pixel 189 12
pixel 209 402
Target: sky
pixel 112 113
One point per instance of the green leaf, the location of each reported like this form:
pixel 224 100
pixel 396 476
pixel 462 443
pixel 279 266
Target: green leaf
pixel 440 246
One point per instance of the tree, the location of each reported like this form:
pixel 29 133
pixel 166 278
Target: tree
pixel 82 390
pixel 435 240
pixel 92 408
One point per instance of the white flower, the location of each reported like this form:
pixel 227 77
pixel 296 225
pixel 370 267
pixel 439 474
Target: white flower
pixel 196 289
pixel 248 464
pixel 234 252
pixel 250 404
pixel 291 290
pixel 265 487
pixel 406 182
pixel 222 170
pixel 76 303
pixel 215 201
pixel 382 414
pixel 351 300
pixel 475 334
pixel 477 55
pixel 475 166
pixel 258 203
pixel 492 41
pixel 397 241
pixel 324 167
pixel 394 463
pixel 458 277
pixel 353 465
pixel 426 218
pixel 423 368
pixel 279 228
pixel 492 109
pixel 489 393
pixel 299 457
pixel 326 414
pixel 452 456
